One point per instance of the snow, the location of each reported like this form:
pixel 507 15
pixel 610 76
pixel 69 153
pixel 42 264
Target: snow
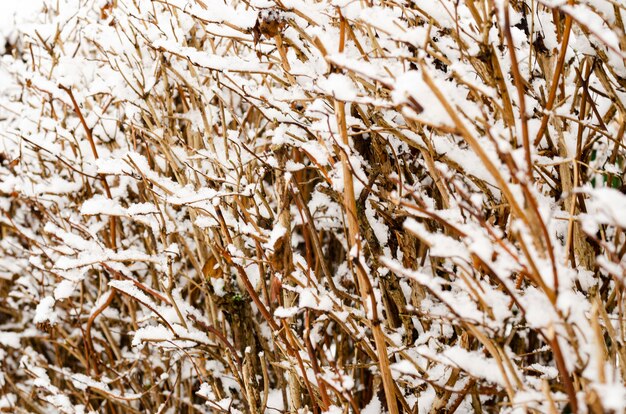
pixel 606 206
pixel 8 401
pixel 45 311
pixel 613 396
pixel 129 288
pixel 275 402
pixel 64 289
pixel 285 313
pixel 379 228
pixel 309 299
pixel 152 333
pixel 373 407
pixel 404 367
pixel 193 108
pixel 81 382
pixel 411 84
pixel 13 12
pixel 338 86
pixel 102 205
pixel 9 339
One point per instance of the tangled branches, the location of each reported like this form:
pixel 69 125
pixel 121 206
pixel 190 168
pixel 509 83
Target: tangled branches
pixel 313 206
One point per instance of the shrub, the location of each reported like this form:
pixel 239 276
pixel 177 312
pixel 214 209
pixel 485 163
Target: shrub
pixel 313 206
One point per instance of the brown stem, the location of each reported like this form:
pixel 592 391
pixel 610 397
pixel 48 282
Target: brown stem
pixel 555 78
pixel 90 321
pixel 94 150
pixel 517 78
pixel 567 381
pixel 314 363
pixel 362 277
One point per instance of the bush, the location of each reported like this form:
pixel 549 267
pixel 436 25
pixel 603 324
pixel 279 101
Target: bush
pixel 313 206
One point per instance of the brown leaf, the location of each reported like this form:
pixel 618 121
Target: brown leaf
pixel 269 23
